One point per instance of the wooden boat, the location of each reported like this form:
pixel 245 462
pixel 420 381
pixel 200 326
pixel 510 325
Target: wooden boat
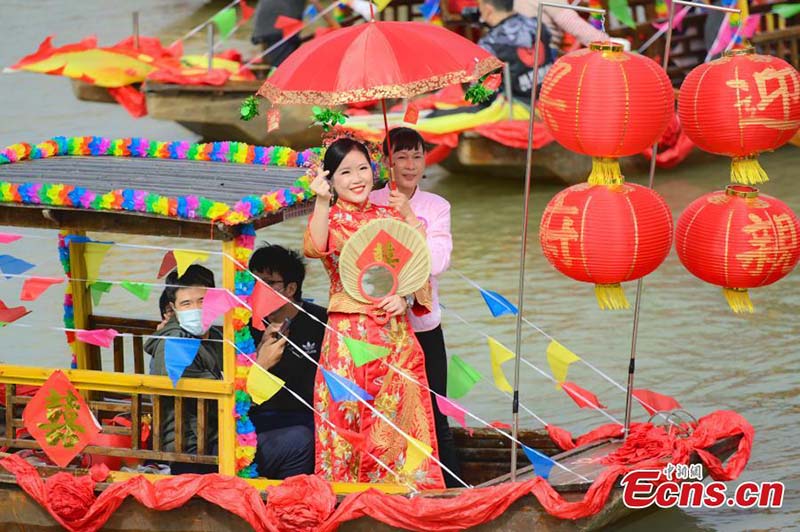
pixel 114 382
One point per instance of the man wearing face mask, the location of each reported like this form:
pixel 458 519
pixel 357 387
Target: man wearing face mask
pixel 289 452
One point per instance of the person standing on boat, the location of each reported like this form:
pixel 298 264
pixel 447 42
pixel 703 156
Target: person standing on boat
pixel 347 176
pixel 510 39
pixel 284 271
pixel 408 158
pixel 289 453
pixel 266 34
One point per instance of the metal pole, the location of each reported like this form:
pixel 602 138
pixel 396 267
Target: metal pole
pixel 136 29
pixel 640 282
pixel 509 91
pixel 210 47
pixel 524 244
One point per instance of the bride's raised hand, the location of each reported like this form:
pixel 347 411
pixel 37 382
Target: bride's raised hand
pixel 320 185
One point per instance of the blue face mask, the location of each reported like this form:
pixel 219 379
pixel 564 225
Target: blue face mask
pixel 191 321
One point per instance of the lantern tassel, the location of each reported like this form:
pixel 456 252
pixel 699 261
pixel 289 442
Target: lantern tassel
pixel 606 171
pixel 738 299
pixel 747 171
pixel 611 297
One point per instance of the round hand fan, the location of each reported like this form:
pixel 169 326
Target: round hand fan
pixel 383 258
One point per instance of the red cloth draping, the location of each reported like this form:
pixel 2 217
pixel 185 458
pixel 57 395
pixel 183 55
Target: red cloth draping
pixel 307 502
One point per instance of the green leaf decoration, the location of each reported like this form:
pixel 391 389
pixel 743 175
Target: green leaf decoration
pixel 477 93
pixel 249 109
pixel 327 118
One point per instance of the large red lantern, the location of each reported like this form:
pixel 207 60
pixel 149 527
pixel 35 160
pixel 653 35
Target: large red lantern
pixel 740 105
pixel 738 239
pixel 604 102
pixel 606 234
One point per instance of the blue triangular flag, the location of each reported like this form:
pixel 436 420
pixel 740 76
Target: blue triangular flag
pixel 179 353
pixel 343 389
pixel 76 239
pixel 13 266
pixel 429 8
pixel 498 305
pixel 311 11
pixel 542 464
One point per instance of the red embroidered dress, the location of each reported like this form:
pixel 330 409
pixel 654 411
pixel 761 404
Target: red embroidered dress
pixel 407 404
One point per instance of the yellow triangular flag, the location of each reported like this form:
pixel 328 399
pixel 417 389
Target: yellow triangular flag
pixel 381 4
pixel 499 354
pixel 416 453
pixel 93 255
pixel 262 385
pixel 185 257
pixel 559 358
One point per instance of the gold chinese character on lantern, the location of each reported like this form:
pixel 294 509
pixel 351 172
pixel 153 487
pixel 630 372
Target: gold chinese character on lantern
pixel 771 85
pixel 556 241
pixel 763 242
pixel 787 241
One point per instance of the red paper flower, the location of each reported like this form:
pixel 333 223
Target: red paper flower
pixel 301 503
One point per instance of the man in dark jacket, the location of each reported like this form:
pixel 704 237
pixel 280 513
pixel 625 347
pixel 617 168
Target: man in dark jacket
pixel 288 454
pixel 510 39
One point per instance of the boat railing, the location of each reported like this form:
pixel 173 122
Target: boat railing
pixel 780 42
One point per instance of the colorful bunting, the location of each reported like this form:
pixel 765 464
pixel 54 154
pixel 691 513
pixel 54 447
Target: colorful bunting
pixel 288 25
pixel 448 407
pixel 461 377
pixel 786 10
pixel 381 4
pixel 140 290
pixel 429 9
pixel 499 354
pixel 59 420
pixel 93 255
pixel 225 21
pixel 583 398
pixel 97 289
pixel 621 10
pixel 363 352
pixel 98 337
pixel 416 453
pixel 357 439
pixel 500 425
pixel 559 358
pixel 264 301
pixel 13 266
pixel 498 305
pixel 542 464
pixel 185 257
pixel 178 354
pixel 7 238
pixel 261 384
pixel 217 302
pixel 33 287
pixel 343 389
pixel 167 264
pixel 246 12
pixel 11 314
pixel 655 402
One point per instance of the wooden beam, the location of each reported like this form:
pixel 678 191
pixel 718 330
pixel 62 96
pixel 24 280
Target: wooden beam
pixel 226 437
pixel 81 302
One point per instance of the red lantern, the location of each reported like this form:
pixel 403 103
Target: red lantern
pixel 740 105
pixel 738 239
pixel 604 102
pixel 606 234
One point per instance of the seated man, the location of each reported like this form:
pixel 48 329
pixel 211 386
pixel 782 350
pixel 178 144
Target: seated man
pixel 185 295
pixel 510 39
pixel 284 271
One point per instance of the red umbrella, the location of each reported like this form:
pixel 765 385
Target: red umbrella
pixel 376 60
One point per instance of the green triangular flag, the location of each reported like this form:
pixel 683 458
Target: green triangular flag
pixel 786 10
pixel 461 377
pixel 621 10
pixel 140 290
pixel 97 290
pixel 363 352
pixel 225 21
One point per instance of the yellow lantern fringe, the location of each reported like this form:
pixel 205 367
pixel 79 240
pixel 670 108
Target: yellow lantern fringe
pixel 606 171
pixel 747 171
pixel 611 297
pixel 738 299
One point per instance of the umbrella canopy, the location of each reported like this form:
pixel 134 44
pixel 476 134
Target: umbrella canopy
pixel 376 60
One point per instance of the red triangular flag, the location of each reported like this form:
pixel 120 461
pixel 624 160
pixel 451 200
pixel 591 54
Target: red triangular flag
pixel 412 114
pixel 33 287
pixel 288 25
pixel 500 425
pixel 264 301
pixel 246 12
pixel 98 337
pixel 10 315
pixel 357 439
pixel 583 398
pixel 168 263
pixel 655 402
pixel 59 420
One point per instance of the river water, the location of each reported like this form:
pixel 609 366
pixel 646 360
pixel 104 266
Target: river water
pixel 690 345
